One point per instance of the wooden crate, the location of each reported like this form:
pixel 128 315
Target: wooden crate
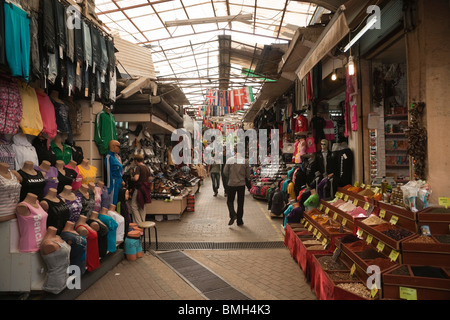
pixel 435 254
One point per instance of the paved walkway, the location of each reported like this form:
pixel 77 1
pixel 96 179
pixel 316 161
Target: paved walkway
pixel 262 274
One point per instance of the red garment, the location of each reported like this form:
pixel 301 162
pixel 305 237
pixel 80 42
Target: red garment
pixel 47 110
pixel 309 89
pixel 78 180
pixel 310 145
pixel 92 254
pixel 301 124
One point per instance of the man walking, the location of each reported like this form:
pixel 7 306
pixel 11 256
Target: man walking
pixel 214 171
pixel 237 173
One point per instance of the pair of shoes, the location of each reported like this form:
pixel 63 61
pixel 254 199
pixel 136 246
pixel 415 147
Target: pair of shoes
pixel 231 221
pixel 215 194
pixel 240 222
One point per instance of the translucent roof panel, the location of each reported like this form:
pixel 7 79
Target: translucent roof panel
pixel 183 36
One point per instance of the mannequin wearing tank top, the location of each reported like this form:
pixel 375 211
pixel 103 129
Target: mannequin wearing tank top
pixel 65 176
pixel 58 211
pixel 89 232
pixel 73 202
pixel 32 181
pixel 77 244
pixel 87 198
pixel 120 231
pixel 55 252
pixel 51 175
pixel 102 233
pixel 78 179
pixel 32 221
pixel 9 191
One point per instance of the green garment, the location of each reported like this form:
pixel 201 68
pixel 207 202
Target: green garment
pixel 104 131
pixel 64 155
pixel 215 168
pixel 312 201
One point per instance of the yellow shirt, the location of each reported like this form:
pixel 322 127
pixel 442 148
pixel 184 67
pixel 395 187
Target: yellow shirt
pixel 31 122
pixel 88 175
pixel 290 190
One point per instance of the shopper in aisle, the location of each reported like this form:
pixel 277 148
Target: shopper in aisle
pixel 141 194
pixel 214 172
pixel 224 178
pixel 236 173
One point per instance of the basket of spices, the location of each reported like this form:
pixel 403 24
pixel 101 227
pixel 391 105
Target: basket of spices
pixel 434 249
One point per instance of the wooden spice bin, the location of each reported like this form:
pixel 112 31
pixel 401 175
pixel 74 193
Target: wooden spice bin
pixel 438 219
pixel 352 196
pixel 350 221
pixel 406 218
pixel 330 236
pixel 426 288
pixel 435 254
pixel 379 236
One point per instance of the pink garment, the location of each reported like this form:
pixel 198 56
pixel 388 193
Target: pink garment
pixel 329 130
pixel 98 199
pixel 310 145
pixel 32 228
pixel 354 118
pixel 47 110
pixel 78 180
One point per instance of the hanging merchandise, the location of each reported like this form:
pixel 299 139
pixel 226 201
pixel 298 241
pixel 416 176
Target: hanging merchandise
pixel 31 123
pixel 17 40
pixel 10 105
pixel 417 139
pixel 105 130
pixel 47 110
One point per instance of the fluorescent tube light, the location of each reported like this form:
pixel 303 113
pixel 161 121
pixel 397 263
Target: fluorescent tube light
pixel 369 25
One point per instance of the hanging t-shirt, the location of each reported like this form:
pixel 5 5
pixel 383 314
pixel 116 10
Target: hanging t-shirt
pixel 31 122
pixel 47 111
pixel 301 124
pixel 310 145
pixel 329 130
pixel 24 151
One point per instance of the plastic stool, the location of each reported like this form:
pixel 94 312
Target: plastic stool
pixel 147 225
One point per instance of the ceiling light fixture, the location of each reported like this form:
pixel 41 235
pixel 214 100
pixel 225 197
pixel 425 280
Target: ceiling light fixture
pixel 369 25
pixel 351 66
pixel 239 17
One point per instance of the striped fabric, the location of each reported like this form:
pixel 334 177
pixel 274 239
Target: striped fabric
pixel 9 194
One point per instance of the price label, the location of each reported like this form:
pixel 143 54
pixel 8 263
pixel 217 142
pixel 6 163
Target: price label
pixel 321 207
pixel 366 206
pixel 353 269
pixel 408 293
pixel 369 239
pixel 368 187
pixel 324 242
pixel 373 291
pixel 445 202
pixel 336 195
pixel 355 202
pixel 340 195
pixel 319 235
pixel 335 215
pixel 382 213
pixel 363 185
pixel 315 231
pixel 394 255
pixel 310 227
pixel 380 246
pixel 306 224
pixel 394 220
pixel 302 221
pixel 356 184
pixel 327 210
pixel 376 190
pixel 359 233
pixel 344 221
pixel 346 197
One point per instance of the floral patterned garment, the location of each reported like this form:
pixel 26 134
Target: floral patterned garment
pixel 10 106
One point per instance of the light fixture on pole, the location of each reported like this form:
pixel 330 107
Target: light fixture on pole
pixel 351 66
pixel 333 75
pixel 369 25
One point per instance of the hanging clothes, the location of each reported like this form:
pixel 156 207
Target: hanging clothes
pixel 105 130
pixel 65 154
pixel 47 110
pixel 62 119
pixel 24 151
pixel 17 40
pixel 10 105
pixel 31 122
pixel 329 130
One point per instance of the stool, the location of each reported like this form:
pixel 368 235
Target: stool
pixel 147 225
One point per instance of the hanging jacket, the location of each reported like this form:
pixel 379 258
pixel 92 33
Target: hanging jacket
pixel 104 131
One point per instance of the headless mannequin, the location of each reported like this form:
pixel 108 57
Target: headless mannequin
pixel 134 234
pixel 100 184
pixel 69 227
pixel 91 186
pixel 45 166
pixel 112 207
pixel 58 142
pixel 82 227
pixel 85 164
pixel 32 200
pixel 104 211
pixel 5 172
pixel 50 241
pixel 67 194
pixel 28 167
pixel 94 217
pixel 72 164
pixel 60 166
pixel 52 196
pixel 84 190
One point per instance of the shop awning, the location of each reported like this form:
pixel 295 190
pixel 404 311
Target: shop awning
pixel 345 18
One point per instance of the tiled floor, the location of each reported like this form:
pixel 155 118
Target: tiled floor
pixel 262 274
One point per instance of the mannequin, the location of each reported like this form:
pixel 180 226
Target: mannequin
pixel 32 221
pixel 51 175
pixel 9 191
pixel 66 176
pixel 120 220
pixel 98 190
pixel 62 151
pixel 88 172
pixel 78 179
pixel 102 233
pixel 342 157
pixel 61 115
pixel 324 158
pixel 55 252
pixel 58 211
pixel 133 247
pixel 112 229
pixel 31 180
pixel 123 208
pixel 42 146
pixel 92 253
pixel 73 202
pixel 114 170
pixel 77 244
pixel 87 199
